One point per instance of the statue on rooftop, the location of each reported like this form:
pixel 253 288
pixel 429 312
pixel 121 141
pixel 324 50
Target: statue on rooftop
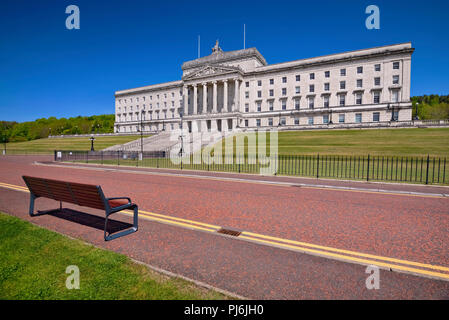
pixel 216 48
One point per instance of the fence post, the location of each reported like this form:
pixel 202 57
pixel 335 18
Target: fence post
pixel 87 156
pixel 317 166
pixel 427 171
pixel 367 171
pixel 55 154
pixel 101 152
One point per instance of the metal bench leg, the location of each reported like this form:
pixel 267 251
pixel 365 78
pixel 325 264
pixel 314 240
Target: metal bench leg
pixel 122 233
pixel 32 198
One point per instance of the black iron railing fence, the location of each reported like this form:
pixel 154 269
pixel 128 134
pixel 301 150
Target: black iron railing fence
pixel 425 170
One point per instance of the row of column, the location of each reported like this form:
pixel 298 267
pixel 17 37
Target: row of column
pixel 214 96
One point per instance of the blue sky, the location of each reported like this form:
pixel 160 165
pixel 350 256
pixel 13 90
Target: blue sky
pixel 47 70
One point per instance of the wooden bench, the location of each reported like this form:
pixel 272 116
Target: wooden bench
pixel 85 195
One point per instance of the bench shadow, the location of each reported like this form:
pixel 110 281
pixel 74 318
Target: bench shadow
pixel 89 220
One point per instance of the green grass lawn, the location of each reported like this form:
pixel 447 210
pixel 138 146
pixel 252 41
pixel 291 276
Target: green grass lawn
pixel 382 142
pixel 72 144
pixel 34 260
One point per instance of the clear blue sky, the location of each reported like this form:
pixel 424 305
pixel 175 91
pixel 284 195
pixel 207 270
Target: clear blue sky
pixel 47 70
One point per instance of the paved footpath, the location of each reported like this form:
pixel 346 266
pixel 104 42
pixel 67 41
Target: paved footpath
pixel 300 238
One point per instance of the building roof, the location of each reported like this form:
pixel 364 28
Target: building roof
pixel 224 56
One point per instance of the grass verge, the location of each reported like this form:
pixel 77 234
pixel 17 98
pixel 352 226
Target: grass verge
pixel 73 144
pixel 34 260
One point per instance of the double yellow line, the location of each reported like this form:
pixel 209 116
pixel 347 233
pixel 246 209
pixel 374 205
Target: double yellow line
pixel 417 268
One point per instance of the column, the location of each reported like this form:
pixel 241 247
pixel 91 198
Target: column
pixel 225 96
pixel 195 99
pixel 185 102
pixel 213 125
pixel 236 94
pixel 214 98
pixel 204 97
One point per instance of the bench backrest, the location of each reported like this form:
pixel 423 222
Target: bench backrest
pixel 85 195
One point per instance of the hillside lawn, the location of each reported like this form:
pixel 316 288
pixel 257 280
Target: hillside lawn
pixel 47 145
pixel 34 262
pixel 382 142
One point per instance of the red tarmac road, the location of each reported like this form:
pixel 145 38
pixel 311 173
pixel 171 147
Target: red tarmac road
pixel 412 227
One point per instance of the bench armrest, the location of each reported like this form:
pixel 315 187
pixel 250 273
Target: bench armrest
pixel 115 198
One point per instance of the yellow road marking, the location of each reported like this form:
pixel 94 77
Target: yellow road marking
pixel 353 259
pixel 366 255
pixel 340 254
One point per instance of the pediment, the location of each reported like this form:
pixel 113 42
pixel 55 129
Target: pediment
pixel 210 70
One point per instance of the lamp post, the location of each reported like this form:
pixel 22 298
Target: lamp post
pixel 141 135
pixel 92 143
pixel 181 137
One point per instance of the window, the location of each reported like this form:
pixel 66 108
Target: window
pixel 284 79
pixel 326 86
pixel 310 120
pixel 247 84
pixel 271 81
pixel 376 116
pixel 270 121
pixel 270 105
pixel 246 94
pixel 312 76
pixel 342 99
pixel 259 106
pixel 311 102
pixel 296 121
pixel 376 97
pixel 326 119
pixel 284 104
pixel 395 79
pixel 341 118
pixel 395 96
pixel 283 122
pixel 377 81
pixel 246 123
pixel 298 77
pixel 396 65
pixel 311 88
pixel 395 115
pixel 342 72
pixel 246 107
pixel 358 117
pixel 284 91
pixel 297 105
pixel 271 92
pixel 327 74
pixel 297 89
pixel 358 98
pixel 326 101
pixel 359 83
pixel 172 95
pixel 258 122
pixel 359 69
pixel 342 85
pixel 377 67
pixel 259 94
pixel 259 83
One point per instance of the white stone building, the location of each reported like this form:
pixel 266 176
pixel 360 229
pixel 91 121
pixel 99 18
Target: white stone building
pixel 226 90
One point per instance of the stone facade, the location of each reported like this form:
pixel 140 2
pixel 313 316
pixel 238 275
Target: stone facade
pixel 238 89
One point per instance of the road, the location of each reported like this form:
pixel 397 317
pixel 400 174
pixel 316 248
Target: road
pixel 299 238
